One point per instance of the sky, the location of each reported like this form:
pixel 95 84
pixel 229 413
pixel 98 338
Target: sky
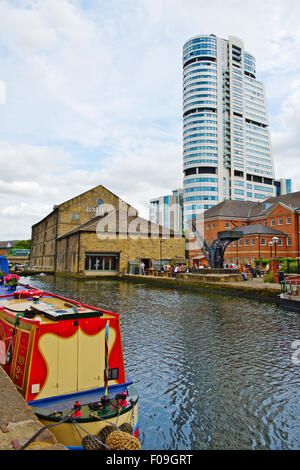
pixel 91 93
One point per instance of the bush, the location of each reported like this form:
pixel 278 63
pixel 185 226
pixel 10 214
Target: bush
pixel 269 277
pixel 264 262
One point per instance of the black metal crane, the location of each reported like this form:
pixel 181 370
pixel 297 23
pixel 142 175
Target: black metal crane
pixel 215 250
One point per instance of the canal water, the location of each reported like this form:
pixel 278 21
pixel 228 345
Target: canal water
pixel 213 371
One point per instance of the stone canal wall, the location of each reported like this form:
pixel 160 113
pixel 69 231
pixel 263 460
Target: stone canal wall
pixel 18 423
pixel 252 289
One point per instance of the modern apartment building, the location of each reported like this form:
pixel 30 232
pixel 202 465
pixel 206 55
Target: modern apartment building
pixel 283 186
pixel 168 210
pixel 226 141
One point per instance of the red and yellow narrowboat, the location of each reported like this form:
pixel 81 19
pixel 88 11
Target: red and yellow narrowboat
pixel 66 359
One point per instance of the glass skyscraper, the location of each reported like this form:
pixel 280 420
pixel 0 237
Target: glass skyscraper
pixel 226 141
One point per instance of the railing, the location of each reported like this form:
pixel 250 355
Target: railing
pixel 287 287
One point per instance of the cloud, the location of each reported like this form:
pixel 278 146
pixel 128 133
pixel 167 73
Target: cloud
pixel 93 95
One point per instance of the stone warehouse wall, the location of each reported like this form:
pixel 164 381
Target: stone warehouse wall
pixel 129 249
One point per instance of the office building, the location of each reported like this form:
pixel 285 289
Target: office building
pixel 283 186
pixel 168 210
pixel 226 140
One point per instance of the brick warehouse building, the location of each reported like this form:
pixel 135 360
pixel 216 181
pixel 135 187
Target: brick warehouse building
pixel 66 238
pixel 274 217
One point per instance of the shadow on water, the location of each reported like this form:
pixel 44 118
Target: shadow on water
pixel 213 371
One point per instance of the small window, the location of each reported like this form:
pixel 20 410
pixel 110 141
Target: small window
pixel 280 221
pixel 207 226
pixel 227 224
pixel 279 241
pixel 288 220
pixel 246 242
pixel 263 241
pixel 213 225
pixel 289 241
pixel 113 374
pixel 252 241
pixel 272 222
pixel 99 202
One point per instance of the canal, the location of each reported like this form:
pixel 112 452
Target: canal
pixel 213 371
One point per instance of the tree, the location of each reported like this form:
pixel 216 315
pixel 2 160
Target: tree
pixel 22 245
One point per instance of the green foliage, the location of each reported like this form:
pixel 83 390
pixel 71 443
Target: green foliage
pixel 288 265
pixel 269 277
pixel 22 245
pixel 264 262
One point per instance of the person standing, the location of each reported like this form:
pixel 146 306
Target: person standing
pixel 142 266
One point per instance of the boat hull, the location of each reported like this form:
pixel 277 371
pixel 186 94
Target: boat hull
pixel 91 415
pixel 71 435
pixel 290 302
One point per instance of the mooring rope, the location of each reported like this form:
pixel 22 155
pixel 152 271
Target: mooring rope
pixel 62 420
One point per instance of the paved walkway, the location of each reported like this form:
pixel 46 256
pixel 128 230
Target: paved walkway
pixel 257 283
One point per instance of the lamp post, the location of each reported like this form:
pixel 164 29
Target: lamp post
pixel 275 241
pixel 160 244
pixel 258 247
pixel 270 245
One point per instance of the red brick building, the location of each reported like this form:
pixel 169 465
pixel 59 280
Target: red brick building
pixel 5 247
pixel 260 222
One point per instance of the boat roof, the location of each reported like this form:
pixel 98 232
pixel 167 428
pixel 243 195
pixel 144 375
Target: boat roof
pixel 48 308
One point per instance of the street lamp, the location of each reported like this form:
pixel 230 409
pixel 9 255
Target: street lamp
pixel 275 241
pixel 258 247
pixel 270 245
pixel 160 243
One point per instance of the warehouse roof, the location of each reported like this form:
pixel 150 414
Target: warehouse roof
pixel 120 222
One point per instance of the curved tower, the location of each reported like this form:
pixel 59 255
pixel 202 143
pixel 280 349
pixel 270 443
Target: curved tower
pixel 226 141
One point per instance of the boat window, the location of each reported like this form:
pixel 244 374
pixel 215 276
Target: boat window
pixel 113 373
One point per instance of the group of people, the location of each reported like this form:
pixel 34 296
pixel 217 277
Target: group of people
pixel 201 266
pixel 256 271
pixel 169 269
pixel 172 270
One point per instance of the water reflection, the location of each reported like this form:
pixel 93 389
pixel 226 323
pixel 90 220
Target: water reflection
pixel 213 372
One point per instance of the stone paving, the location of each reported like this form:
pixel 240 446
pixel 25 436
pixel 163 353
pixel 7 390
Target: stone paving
pixel 18 423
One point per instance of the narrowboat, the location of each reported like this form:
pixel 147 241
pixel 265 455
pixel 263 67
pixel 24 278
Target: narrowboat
pixel 66 359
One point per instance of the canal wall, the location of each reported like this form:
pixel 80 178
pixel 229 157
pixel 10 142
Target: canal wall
pixel 18 424
pixel 226 283
pixel 251 289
